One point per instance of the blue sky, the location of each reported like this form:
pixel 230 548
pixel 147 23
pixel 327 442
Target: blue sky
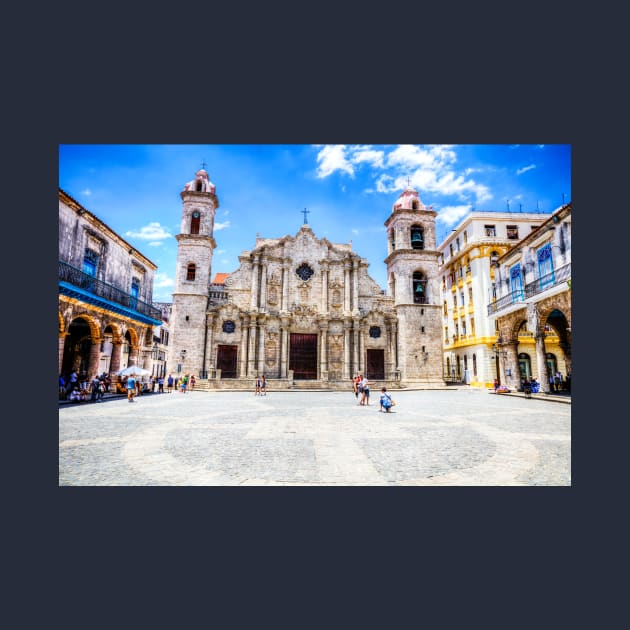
pixel 349 191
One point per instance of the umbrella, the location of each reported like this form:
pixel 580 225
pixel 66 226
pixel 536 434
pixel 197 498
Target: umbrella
pixel 135 370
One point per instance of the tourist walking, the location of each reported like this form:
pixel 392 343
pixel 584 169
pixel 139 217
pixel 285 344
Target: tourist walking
pixel 131 388
pixel 192 382
pixel 169 384
pixel 160 385
pixel 257 386
pixel 263 385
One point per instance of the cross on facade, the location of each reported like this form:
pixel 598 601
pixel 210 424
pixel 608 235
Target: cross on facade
pixel 408 181
pixel 305 212
pixel 203 166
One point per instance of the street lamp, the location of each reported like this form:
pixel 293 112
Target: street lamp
pixel 183 354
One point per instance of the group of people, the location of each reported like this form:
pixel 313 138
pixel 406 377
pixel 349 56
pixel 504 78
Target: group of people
pixel 183 384
pixel 76 388
pixel 361 389
pixel 531 386
pixel 558 384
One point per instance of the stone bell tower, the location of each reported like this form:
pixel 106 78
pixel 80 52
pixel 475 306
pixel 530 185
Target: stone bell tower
pixel 195 246
pixel 413 282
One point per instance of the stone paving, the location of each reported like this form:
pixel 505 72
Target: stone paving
pixel 460 437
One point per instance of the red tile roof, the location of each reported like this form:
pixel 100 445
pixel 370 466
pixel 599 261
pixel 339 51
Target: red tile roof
pixel 219 278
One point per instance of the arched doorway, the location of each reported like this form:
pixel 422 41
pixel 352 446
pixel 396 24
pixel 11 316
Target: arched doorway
pixel 76 351
pixel 525 366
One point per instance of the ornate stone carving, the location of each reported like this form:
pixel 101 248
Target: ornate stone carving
pixel 304 316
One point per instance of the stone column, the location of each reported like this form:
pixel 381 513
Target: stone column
pixel 208 351
pixel 251 356
pixel 324 306
pixel 541 361
pixel 285 285
pixel 346 350
pixel 263 284
pixel 389 363
pixel 362 346
pixel 114 365
pixel 346 287
pixel 253 304
pixel 261 346
pixel 355 348
pixel 355 285
pixel 62 345
pixel 242 359
pixel 323 363
pixel 395 347
pixel 95 359
pixel 510 362
pixel 133 355
pixel 284 347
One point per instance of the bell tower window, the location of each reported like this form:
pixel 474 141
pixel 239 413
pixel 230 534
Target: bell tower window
pixel 417 237
pixel 194 222
pixel 419 288
pixel 191 271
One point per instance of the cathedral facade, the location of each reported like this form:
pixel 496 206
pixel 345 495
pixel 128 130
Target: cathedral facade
pixel 304 311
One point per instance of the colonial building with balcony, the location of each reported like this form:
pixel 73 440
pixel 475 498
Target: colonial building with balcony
pixel 106 317
pixel 531 304
pixel 468 258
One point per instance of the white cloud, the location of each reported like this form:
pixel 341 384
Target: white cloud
pixel 87 192
pixel 151 232
pixel 332 158
pixel 161 280
pixel 365 154
pixel 221 226
pixel 355 231
pixel 412 156
pixel 383 184
pixel 520 171
pixel 218 252
pixel 449 215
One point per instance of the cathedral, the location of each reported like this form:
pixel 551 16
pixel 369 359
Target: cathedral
pixel 304 311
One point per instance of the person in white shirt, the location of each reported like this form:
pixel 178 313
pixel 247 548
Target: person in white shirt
pixel 365 388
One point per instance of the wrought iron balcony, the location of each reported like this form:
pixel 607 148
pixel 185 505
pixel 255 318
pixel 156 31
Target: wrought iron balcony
pixel 553 279
pixel 513 297
pixel 81 280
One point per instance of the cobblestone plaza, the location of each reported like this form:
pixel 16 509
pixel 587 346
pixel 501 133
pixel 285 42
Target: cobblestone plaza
pixel 457 437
